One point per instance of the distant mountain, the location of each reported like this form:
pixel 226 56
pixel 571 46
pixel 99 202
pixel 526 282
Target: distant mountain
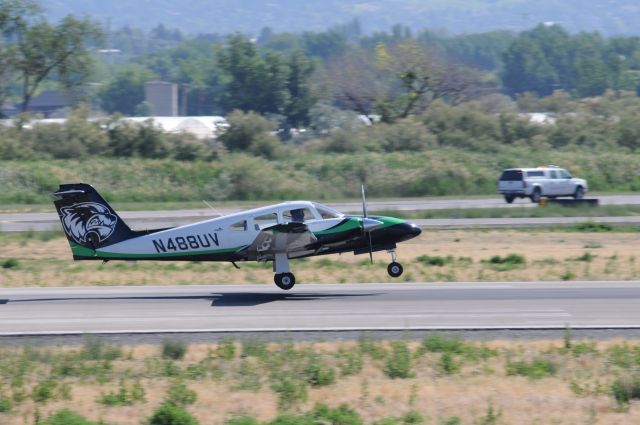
pixel 609 17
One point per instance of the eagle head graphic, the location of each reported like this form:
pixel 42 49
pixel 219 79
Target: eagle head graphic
pixel 88 222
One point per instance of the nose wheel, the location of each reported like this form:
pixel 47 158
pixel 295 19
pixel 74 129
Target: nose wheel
pixel 394 268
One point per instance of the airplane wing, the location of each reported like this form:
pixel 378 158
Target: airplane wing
pixel 295 239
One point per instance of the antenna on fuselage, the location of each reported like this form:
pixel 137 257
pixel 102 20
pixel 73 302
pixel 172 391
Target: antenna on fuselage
pixel 212 208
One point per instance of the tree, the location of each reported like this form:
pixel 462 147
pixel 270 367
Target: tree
pixel 125 92
pixel 59 52
pixel 300 98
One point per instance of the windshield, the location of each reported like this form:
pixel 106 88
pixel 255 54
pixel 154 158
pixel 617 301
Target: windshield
pixel 327 212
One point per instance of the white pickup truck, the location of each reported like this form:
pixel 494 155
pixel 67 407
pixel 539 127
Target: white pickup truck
pixel 534 183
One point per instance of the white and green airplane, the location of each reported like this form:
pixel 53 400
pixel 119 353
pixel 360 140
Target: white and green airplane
pixel 274 233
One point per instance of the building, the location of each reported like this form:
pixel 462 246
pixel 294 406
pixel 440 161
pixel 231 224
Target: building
pixel 163 97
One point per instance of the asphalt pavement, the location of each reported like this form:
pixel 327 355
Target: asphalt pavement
pixel 320 307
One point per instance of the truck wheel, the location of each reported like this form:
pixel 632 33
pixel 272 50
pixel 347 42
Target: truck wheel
pixel 509 198
pixel 579 193
pixel 536 195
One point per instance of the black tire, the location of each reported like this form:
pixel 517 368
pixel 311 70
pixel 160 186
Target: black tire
pixel 509 198
pixel 579 193
pixel 536 195
pixel 395 269
pixel 284 281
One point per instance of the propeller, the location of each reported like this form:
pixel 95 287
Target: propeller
pixel 364 220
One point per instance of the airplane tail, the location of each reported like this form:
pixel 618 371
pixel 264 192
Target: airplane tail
pixel 88 220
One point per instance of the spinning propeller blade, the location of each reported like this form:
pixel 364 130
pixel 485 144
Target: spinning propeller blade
pixel 364 215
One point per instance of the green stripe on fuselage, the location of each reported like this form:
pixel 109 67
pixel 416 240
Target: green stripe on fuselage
pixel 348 224
pixel 81 251
pixel 162 255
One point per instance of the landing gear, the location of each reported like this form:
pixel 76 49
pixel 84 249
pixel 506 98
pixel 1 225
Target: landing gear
pixel 283 278
pixel 394 268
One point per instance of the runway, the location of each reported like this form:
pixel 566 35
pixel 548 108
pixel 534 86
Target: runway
pixel 316 307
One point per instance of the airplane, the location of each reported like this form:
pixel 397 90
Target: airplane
pixel 275 233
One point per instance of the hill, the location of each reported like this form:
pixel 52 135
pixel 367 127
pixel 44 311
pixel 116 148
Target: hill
pixel 610 17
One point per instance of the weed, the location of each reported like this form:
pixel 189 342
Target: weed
pixel 226 349
pixel 94 349
pixel 319 374
pixel 180 395
pixel 65 417
pixel 173 349
pixel 290 389
pixel 5 404
pixel 196 371
pixel 398 364
pixel 371 348
pixel 593 245
pixel 44 391
pixel 10 263
pixel 506 263
pixel 624 389
pixel 452 420
pixel 536 369
pixel 623 355
pixel 591 226
pixel 568 275
pixel 491 417
pixel 124 396
pixel 254 349
pixel 350 362
pixel 249 377
pixel 447 364
pixel 586 257
pixel 435 261
pixel 169 414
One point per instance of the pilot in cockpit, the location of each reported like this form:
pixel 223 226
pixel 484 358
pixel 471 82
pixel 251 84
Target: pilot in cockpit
pixel 297 215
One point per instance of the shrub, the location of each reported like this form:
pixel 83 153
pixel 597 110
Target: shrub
pixel 10 263
pixel 447 364
pixel 124 396
pixel 437 343
pixel 169 414
pixel 290 390
pixel 94 349
pixel 626 388
pixel 227 349
pixel 254 349
pixel 509 259
pixel 591 226
pixel 242 420
pixel 44 391
pixel 319 374
pixel 173 349
pixel 398 364
pixel 180 395
pixel 435 261
pixel 66 417
pixel 536 369
pixel 372 348
pixel 5 404
pixel 350 362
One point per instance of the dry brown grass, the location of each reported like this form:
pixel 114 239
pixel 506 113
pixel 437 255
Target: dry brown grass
pixel 549 256
pixel 437 396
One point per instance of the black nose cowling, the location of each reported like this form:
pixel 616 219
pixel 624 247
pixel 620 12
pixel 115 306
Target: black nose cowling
pixel 411 230
pixel 400 232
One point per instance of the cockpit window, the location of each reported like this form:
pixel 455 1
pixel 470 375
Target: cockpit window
pixel 297 215
pixel 327 212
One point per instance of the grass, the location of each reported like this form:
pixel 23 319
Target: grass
pixel 489 255
pixel 388 382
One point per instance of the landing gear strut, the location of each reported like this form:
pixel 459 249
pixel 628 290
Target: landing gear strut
pixel 283 278
pixel 394 268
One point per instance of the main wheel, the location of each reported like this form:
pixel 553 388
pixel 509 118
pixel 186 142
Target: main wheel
pixel 536 195
pixel 579 193
pixel 395 269
pixel 509 198
pixel 284 280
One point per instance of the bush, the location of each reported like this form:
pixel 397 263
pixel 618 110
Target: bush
pixel 10 263
pixel 536 369
pixel 94 349
pixel 319 374
pixel 290 390
pixel 169 414
pixel 226 349
pixel 593 227
pixel 435 261
pixel 44 391
pixel 447 364
pixel 173 349
pixel 5 404
pixel 399 362
pixel 124 396
pixel 66 417
pixel 509 259
pixel 626 388
pixel 180 395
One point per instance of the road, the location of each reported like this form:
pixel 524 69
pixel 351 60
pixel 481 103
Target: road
pixel 316 307
pixel 160 219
